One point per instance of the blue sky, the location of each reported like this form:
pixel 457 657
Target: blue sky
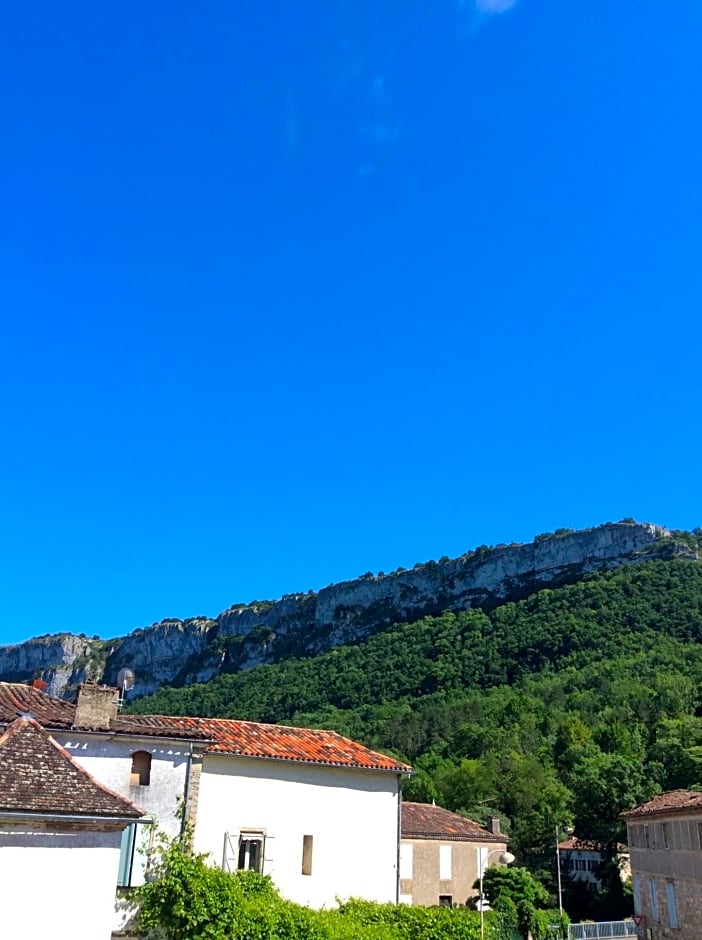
pixel 295 291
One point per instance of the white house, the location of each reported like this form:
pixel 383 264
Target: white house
pixel 582 859
pixel 316 811
pixel 60 838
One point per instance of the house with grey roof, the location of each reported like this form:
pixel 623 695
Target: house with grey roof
pixel 283 801
pixel 60 839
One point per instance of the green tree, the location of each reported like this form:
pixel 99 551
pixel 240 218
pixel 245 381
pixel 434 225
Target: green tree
pixel 517 896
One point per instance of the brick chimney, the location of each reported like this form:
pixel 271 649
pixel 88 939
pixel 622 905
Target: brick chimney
pixel 96 706
pixel 493 825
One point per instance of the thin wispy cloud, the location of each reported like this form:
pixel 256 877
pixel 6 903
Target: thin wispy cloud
pixel 365 73
pixel 494 6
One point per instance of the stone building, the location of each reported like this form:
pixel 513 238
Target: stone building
pixel 441 855
pixel 665 842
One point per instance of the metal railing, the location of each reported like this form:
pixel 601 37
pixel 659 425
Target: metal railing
pixel 602 931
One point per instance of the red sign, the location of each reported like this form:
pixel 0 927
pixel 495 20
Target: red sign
pixel 638 919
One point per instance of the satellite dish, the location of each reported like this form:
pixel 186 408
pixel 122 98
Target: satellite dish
pixel 125 680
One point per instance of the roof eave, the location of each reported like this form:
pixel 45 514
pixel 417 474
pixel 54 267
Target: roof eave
pixel 445 837
pixel 39 815
pixel 399 770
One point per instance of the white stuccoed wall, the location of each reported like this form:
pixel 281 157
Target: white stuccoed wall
pixel 352 815
pixel 109 760
pixel 59 884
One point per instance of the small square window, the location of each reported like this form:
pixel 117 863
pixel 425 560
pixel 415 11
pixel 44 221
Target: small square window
pixel 445 900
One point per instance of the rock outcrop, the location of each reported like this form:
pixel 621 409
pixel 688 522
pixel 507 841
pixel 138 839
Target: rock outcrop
pixel 178 652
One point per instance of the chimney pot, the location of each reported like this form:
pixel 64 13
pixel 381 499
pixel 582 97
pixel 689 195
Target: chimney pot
pixel 494 825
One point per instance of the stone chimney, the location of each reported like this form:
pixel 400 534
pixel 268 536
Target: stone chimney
pixel 96 707
pixel 493 825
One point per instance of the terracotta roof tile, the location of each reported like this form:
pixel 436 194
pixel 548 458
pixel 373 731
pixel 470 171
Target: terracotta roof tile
pixel 426 821
pixel 38 776
pixel 17 700
pixel 574 844
pixel 675 801
pixel 253 739
pixel 221 735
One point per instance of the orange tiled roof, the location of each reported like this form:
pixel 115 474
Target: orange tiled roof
pixel 219 735
pixel 675 801
pixel 253 739
pixel 580 845
pixel 426 821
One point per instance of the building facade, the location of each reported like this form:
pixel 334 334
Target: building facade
pixel 316 811
pixel 665 845
pixel 60 839
pixel 441 855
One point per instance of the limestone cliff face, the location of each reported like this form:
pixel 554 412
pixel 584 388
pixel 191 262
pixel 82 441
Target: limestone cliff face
pixel 179 652
pixel 64 659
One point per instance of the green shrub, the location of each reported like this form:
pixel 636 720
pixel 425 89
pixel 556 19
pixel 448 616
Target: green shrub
pixel 190 900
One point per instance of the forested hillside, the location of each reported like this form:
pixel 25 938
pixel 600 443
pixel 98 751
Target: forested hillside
pixel 566 707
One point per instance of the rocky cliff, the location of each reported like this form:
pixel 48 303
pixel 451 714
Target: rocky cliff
pixel 178 652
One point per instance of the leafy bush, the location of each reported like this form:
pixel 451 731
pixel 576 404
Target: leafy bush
pixel 414 923
pixel 190 900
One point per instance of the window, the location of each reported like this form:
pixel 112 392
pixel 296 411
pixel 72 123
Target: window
pixel 672 904
pixel 637 894
pixel 444 862
pixel 406 859
pixel 250 852
pixel 126 856
pixel 647 837
pixel 653 897
pixel 307 855
pixel 699 834
pixel 244 850
pixel 134 855
pixel 141 769
pixel 664 834
pixel 445 900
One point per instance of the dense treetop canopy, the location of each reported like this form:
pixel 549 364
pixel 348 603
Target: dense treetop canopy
pixel 564 708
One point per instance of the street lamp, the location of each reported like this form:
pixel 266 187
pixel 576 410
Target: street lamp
pixel 568 831
pixel 506 858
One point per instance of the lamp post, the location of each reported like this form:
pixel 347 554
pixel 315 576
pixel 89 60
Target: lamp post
pixel 506 858
pixel 568 831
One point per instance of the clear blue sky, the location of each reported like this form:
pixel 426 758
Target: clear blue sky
pixel 291 291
